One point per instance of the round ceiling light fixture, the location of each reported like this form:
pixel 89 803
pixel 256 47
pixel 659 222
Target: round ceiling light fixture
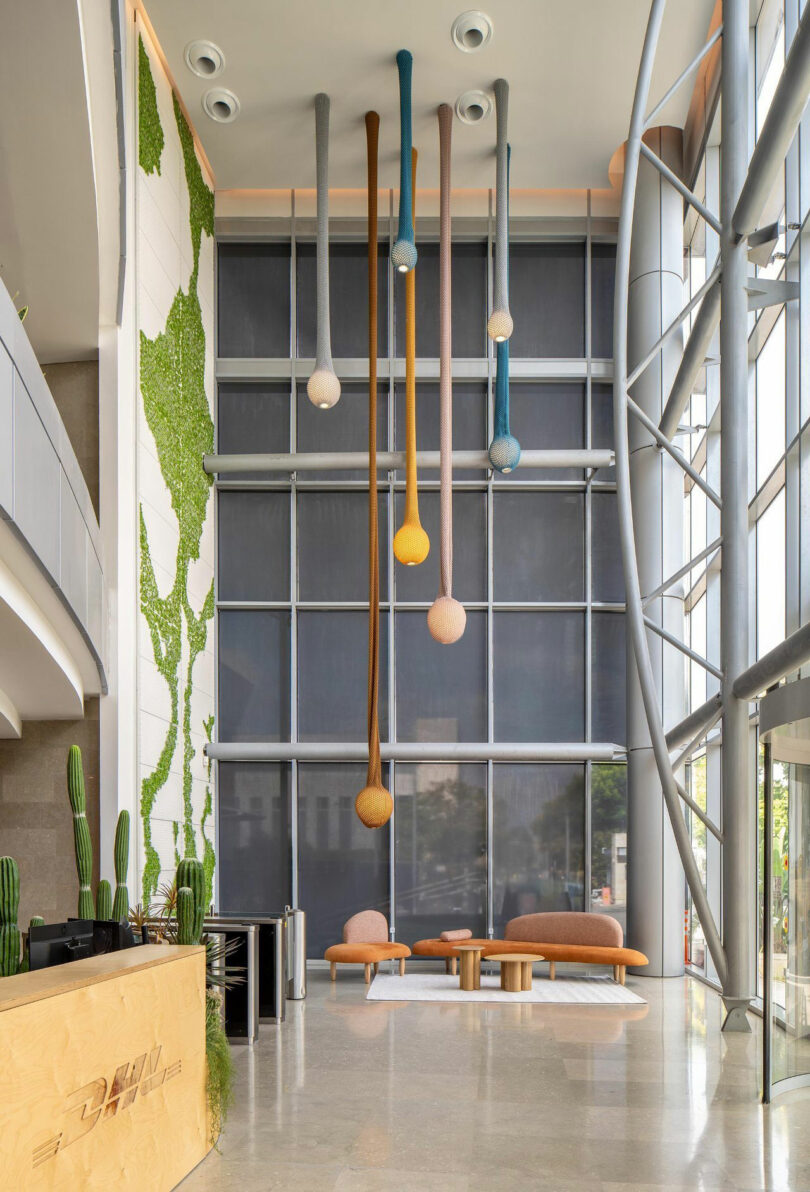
pixel 473 106
pixel 471 31
pixel 204 59
pixel 221 105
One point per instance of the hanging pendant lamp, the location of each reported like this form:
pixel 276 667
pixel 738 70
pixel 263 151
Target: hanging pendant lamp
pixel 374 803
pixel 411 543
pixel 323 387
pixel 499 325
pixel 446 617
pixel 403 254
pixel 504 450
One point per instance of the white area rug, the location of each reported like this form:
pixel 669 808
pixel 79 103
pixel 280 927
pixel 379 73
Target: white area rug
pixel 439 987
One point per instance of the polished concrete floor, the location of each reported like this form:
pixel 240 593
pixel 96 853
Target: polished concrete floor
pixel 357 1096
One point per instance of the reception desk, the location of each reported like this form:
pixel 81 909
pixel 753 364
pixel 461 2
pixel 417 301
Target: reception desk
pixel 102 1063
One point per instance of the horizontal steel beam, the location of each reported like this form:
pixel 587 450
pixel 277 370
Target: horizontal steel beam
pixel 684 731
pixel 694 356
pixel 681 187
pixel 778 131
pixel 355 368
pixel 406 751
pixel 337 461
pixel 788 656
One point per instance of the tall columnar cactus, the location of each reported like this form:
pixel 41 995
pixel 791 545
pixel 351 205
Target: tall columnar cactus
pixel 25 963
pixel 186 917
pixel 120 907
pixel 9 905
pixel 104 900
pixel 191 876
pixel 81 832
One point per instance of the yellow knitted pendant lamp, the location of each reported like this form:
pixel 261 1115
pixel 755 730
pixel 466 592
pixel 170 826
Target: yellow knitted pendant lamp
pixel 411 543
pixel 374 803
pixel 446 618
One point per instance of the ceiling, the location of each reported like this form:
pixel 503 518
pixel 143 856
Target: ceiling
pixel 571 69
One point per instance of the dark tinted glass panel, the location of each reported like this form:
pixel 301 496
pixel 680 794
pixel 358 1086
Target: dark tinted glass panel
pixel 539 676
pixel 539 543
pixel 538 848
pixel 547 299
pixel 333 676
pixel 251 419
pixel 254 546
pixel 343 428
pixel 602 425
pixel 342 866
pixel 603 276
pixel 441 692
pixel 254 299
pixel 253 842
pixel 469 423
pixel 469 281
pixel 608 577
pixel 348 299
pixel 469 559
pixel 333 546
pixel 254 675
pixel 609 841
pixel 608 678
pixel 441 850
pixel 547 417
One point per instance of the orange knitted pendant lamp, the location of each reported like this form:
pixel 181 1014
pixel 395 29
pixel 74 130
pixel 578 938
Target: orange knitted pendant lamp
pixel 411 543
pixel 374 803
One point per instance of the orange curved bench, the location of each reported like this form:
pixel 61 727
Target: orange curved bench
pixel 366 942
pixel 576 937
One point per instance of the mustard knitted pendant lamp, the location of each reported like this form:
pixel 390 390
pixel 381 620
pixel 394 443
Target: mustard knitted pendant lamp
pixel 446 618
pixel 374 803
pixel 323 387
pixel 499 325
pixel 403 254
pixel 411 543
pixel 504 450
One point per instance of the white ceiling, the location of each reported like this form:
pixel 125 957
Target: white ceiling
pixel 571 67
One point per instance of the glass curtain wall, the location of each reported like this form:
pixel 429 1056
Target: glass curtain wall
pixel 536 564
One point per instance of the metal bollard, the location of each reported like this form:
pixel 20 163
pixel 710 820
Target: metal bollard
pixel 296 953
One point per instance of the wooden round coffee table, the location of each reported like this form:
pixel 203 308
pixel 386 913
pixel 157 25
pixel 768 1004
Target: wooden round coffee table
pixel 516 969
pixel 470 968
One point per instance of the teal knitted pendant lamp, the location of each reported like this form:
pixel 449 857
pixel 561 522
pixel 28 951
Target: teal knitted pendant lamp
pixel 403 254
pixel 504 450
pixel 499 325
pixel 323 387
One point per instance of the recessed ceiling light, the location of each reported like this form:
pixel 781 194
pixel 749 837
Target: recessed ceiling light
pixel 471 31
pixel 473 106
pixel 204 59
pixel 221 105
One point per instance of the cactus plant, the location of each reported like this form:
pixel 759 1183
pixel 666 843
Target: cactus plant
pixel 9 905
pixel 81 832
pixel 104 901
pixel 191 876
pixel 120 907
pixel 186 917
pixel 36 921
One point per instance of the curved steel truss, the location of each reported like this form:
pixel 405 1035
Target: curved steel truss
pixel 744 193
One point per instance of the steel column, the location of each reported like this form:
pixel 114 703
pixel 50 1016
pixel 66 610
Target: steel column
pixel 739 822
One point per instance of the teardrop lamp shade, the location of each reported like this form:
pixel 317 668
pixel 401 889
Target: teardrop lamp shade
pixel 323 387
pixel 446 617
pixel 411 543
pixel 403 254
pixel 374 804
pixel 504 450
pixel 499 325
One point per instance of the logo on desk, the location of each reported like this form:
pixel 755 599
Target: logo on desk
pixel 97 1101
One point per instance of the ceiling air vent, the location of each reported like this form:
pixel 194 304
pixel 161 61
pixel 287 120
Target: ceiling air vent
pixel 221 105
pixel 471 31
pixel 473 106
pixel 204 59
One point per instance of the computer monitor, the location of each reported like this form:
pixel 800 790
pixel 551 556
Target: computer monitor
pixel 58 943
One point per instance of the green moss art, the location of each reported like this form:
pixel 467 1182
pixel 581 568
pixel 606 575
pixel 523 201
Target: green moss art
pixel 150 130
pixel 172 377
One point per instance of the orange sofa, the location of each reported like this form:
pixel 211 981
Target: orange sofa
pixel 366 942
pixel 576 937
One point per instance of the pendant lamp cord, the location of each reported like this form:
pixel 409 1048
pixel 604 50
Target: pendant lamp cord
pixel 374 777
pixel 445 358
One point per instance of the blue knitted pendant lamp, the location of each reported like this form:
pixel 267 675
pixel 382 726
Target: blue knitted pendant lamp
pixel 403 254
pixel 504 450
pixel 499 325
pixel 323 387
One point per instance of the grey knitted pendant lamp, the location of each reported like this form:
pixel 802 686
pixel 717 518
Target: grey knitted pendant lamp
pixel 323 387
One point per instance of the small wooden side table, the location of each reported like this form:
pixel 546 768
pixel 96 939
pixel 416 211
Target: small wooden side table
pixel 470 968
pixel 516 969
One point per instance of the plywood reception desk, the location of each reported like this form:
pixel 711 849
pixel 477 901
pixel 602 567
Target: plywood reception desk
pixel 102 1072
